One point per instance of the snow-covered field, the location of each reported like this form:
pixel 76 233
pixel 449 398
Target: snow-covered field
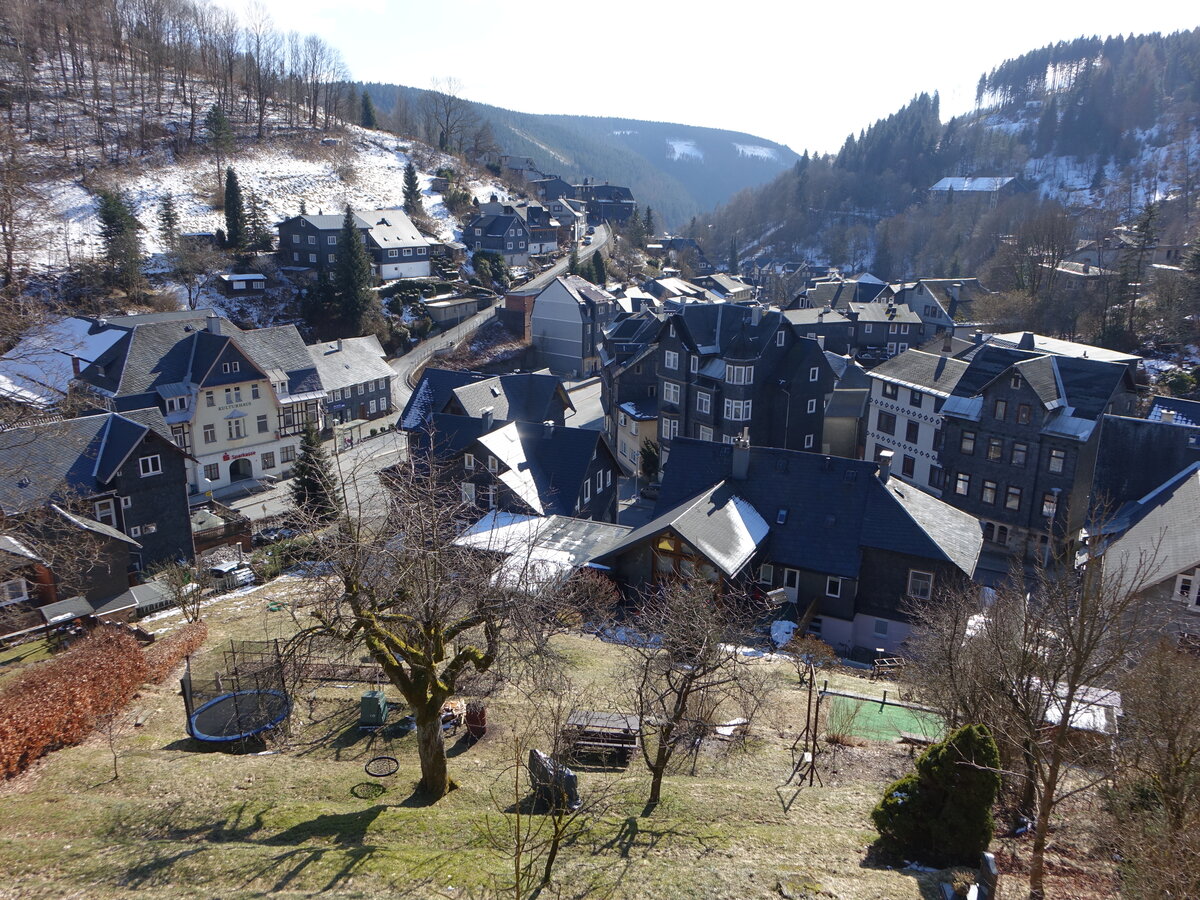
pixel 757 152
pixel 683 150
pixel 366 171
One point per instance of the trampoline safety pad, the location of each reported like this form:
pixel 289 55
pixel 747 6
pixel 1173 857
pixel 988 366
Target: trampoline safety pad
pixel 238 715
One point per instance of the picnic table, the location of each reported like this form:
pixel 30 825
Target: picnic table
pixel 885 665
pixel 608 734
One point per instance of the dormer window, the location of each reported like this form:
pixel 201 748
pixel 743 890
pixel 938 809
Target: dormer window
pixel 230 367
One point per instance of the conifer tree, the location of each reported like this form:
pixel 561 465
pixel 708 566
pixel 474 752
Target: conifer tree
pixel 303 208
pixel 573 260
pixel 733 257
pixel 220 136
pixel 168 221
pixel 599 275
pixel 941 813
pixel 352 280
pixel 122 244
pixel 235 211
pixel 648 222
pixel 412 191
pixel 314 492
pixel 368 118
pixel 258 230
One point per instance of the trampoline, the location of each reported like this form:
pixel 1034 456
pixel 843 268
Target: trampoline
pixel 239 715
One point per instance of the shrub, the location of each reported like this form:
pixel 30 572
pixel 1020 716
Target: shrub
pixel 163 656
pixel 58 703
pixel 941 813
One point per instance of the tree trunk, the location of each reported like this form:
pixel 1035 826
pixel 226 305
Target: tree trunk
pixel 662 755
pixel 1041 828
pixel 435 780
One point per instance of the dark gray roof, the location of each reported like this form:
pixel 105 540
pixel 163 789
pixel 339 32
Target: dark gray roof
pixel 831 507
pixel 928 372
pixel 1159 538
pixel 726 330
pixel 342 364
pixel 494 226
pixel 333 222
pixel 544 465
pixel 1135 456
pixel 885 313
pixel 822 315
pixel 522 396
pixel 1187 412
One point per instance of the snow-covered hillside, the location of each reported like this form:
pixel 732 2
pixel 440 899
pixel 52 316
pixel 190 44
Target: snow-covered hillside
pixel 365 170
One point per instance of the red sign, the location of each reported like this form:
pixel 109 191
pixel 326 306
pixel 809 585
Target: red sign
pixel 227 457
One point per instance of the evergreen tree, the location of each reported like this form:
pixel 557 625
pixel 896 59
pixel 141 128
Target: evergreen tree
pixel 733 257
pixel 412 191
pixel 235 211
pixel 599 274
pixel 122 244
pixel 648 223
pixel 258 230
pixel 314 492
pixel 941 813
pixel 573 260
pixel 357 304
pixel 220 136
pixel 303 208
pixel 168 221
pixel 368 118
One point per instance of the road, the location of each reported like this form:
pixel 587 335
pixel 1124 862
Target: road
pixel 405 365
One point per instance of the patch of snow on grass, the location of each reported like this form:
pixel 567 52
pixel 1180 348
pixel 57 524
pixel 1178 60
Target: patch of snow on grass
pixel 683 150
pixel 756 152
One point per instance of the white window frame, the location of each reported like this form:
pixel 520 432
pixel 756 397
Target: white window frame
pixel 780 337
pixel 833 586
pixel 671 392
pixel 739 374
pixel 150 465
pixel 693 364
pixel 808 442
pixel 670 360
pixel 738 410
pixel 469 462
pixel 9 591
pixel 467 492
pixel 705 433
pixel 703 402
pixel 812 405
pixel 766 573
pixel 915 577
pixel 814 374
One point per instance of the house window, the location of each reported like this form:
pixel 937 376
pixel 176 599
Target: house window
pixel 739 374
pixel 312 238
pixel 1019 452
pixel 236 429
pixel 1016 382
pixel 332 257
pixel 867 328
pixel 995 448
pixel 508 245
pixel 262 425
pixel 209 399
pixel 912 432
pixel 814 373
pixel 738 410
pixel 478 231
pixel 1049 504
pixel 670 392
pixel 587 490
pixel 670 360
pixel 920 584
pixel 295 238
pixel 1023 413
pixel 621 420
pixel 492 464
pixel 489 495
pixel 468 493
pixel 176 403
pixel 1012 498
pixel 766 573
pixel 703 402
pixel 1058 459
pixel 791 578
pixel 268 460
pixel 915 398
pixel 988 494
pixel 230 367
pixel 233 395
pixel 670 428
pixel 890 391
pixel 126 503
pixel 288 453
pixel 885 422
pixel 967 443
pixel 13 591
pixel 962 484
pixel 633 428
pixel 1185 587
pixel 881 627
pixel 106 513
pixel 693 364
pixel 779 338
pixel 908 467
pixel 705 433
pixel 833 586
pixel 1000 409
pixel 392 254
pixel 892 328
pixel 254 392
pixel 359 387
pixel 408 251
pixel 469 461
pixel 372 407
pixel 808 442
pixel 312 257
pixel 812 405
pixel 150 465
pixel 891 348
pixel 135 532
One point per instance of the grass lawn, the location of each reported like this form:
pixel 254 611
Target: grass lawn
pixel 13 659
pixel 305 819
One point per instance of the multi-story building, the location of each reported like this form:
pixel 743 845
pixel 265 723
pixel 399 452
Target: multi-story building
pixel 498 229
pixel 396 248
pixel 629 386
pixel 356 378
pixel 236 401
pixel 567 325
pixel 905 414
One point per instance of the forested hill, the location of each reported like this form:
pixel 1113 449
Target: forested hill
pixel 679 170
pixel 1097 124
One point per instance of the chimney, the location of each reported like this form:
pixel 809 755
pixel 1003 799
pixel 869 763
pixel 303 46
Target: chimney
pixel 755 314
pixel 741 456
pixel 76 364
pixel 547 429
pixel 339 344
pixel 978 338
pixel 821 341
pixel 214 323
pixel 487 416
pixel 885 465
pixel 947 346
pixel 1168 416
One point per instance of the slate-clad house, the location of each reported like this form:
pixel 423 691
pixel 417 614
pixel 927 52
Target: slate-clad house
pixel 629 386
pixel 838 535
pixel 567 325
pixel 236 401
pixel 519 397
pixel 833 329
pixel 396 248
pixel 356 378
pixel 724 369
pixel 606 202
pixel 534 468
pixel 1020 439
pixel 498 231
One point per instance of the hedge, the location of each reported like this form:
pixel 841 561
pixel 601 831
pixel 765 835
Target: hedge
pixel 58 703
pixel 163 656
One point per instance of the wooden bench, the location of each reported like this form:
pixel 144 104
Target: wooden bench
pixel 602 734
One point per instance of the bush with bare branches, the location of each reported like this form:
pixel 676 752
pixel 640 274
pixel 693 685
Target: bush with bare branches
pixel 164 655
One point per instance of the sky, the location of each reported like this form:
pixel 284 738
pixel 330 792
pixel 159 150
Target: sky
pixel 802 74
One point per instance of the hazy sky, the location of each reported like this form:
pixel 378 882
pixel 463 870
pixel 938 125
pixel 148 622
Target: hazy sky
pixel 802 74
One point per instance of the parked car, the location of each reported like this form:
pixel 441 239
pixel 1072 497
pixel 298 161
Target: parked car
pixel 591 229
pixel 587 241
pixel 275 535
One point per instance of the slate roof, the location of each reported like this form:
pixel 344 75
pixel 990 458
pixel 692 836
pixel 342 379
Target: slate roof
pixel 1159 538
pixel 722 328
pixel 391 228
pixel 41 463
pixel 1159 449
pixel 494 226
pixel 1027 340
pixel 831 507
pixel 584 291
pixel 815 316
pixel 524 396
pixel 885 313
pixel 927 372
pixel 1187 412
pixel 358 360
pixel 333 222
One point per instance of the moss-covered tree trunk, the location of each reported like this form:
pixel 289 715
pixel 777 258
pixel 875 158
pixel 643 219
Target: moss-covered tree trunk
pixel 431 749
